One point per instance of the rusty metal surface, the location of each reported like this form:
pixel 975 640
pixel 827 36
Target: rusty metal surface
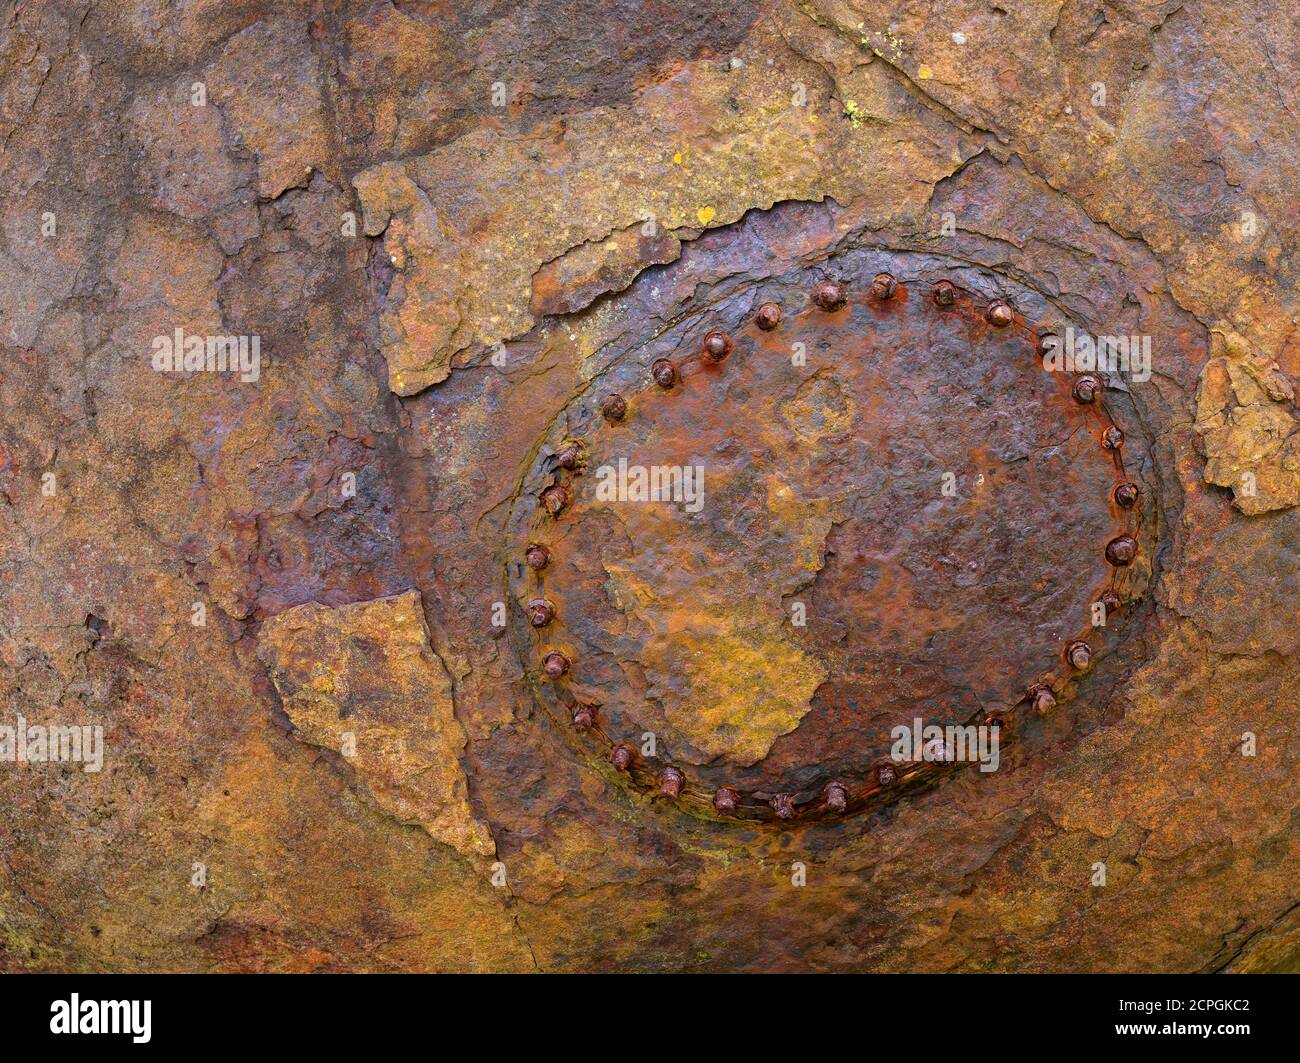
pixel 820 483
pixel 458 231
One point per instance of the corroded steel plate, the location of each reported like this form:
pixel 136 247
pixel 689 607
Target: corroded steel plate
pixel 841 503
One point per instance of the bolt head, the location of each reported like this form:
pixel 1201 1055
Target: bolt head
pixel 540 612
pixel 717 345
pixel 999 313
pixel 886 775
pixel 537 556
pixel 664 372
pixel 1112 438
pixel 768 316
pixel 1127 495
pixel 945 293
pixel 1079 655
pixel 613 407
pixel 1086 389
pixel 621 758
pixel 829 295
pixel 584 717
pixel 670 782
pixel 783 806
pixel 1121 550
pixel 883 286
pixel 555 665
pixel 567 456
pixel 555 499
pixel 837 797
pixel 725 800
pixel 1043 700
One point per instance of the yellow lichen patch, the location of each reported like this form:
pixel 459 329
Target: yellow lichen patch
pixel 706 215
pixel 748 685
pixel 811 519
pixel 819 410
pixel 924 73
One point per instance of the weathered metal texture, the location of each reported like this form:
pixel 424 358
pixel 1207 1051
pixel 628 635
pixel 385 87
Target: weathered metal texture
pixel 651 175
pixel 939 506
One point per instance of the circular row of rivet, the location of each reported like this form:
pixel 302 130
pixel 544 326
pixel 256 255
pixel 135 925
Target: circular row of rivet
pixel 837 796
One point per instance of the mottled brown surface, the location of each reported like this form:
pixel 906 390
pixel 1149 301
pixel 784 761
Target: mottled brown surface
pixel 1169 210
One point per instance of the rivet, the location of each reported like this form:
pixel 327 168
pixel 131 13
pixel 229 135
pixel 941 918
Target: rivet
pixel 829 295
pixel 725 799
pixel 1043 700
pixel 782 805
pixel 567 456
pixel 837 797
pixel 945 293
pixel 584 717
pixel 717 345
pixel 1127 494
pixel 613 407
pixel 1079 655
pixel 1086 389
pixel 886 775
pixel 1112 438
pixel 540 612
pixel 664 372
pixel 1112 602
pixel 621 757
pixel 555 664
pixel 999 313
pixel 555 499
pixel 768 316
pixel 883 285
pixel 1121 550
pixel 670 782
pixel 537 556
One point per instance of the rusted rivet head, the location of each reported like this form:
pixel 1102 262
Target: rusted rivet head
pixel 883 286
pixel 1127 495
pixel 782 805
pixel 829 295
pixel 768 316
pixel 1079 655
pixel 555 499
pixel 664 372
pixel 537 556
pixel 1121 550
pixel 1112 438
pixel 945 293
pixel 886 775
pixel 999 313
pixel 1113 603
pixel 621 757
pixel 717 345
pixel 567 456
pixel 837 797
pixel 540 612
pixel 613 407
pixel 1043 700
pixel 670 782
pixel 584 717
pixel 555 664
pixel 1086 389
pixel 725 799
